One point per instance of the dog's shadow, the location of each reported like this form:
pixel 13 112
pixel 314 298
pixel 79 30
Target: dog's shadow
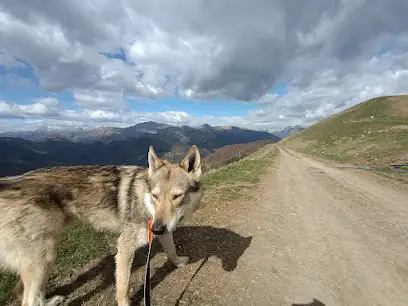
pixel 315 302
pixel 197 242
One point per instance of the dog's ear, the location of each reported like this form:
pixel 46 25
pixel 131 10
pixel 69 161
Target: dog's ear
pixel 192 162
pixel 154 162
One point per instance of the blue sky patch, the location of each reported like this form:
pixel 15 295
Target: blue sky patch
pixel 279 89
pixel 119 53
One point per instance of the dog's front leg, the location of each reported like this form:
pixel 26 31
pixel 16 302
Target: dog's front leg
pixel 167 242
pixel 129 240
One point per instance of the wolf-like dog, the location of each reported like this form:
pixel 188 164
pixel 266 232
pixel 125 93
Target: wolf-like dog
pixel 37 206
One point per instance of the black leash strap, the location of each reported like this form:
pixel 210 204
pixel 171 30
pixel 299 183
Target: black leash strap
pixel 147 287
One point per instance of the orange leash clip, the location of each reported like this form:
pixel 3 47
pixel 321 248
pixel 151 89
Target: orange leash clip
pixel 149 231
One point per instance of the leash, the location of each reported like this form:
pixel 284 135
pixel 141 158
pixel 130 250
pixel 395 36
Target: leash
pixel 147 287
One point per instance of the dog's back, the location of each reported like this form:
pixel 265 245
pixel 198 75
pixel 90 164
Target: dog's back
pixel 36 207
pixel 29 232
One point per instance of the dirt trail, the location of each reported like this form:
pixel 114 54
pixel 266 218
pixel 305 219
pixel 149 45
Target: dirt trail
pixel 336 236
pixel 315 235
pixel 339 236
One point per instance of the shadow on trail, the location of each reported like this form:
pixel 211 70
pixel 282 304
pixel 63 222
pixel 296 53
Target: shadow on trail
pixel 197 242
pixel 314 303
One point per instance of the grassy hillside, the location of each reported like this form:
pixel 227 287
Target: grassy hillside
pixel 82 248
pixel 373 133
pixel 225 155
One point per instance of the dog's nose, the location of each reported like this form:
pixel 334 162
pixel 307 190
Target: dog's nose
pixel 158 228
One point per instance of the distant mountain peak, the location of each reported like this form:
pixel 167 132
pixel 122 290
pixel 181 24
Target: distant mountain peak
pixel 287 131
pixel 225 127
pixel 205 126
pixel 150 124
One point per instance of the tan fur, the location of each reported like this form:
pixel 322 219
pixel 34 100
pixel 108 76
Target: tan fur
pixel 36 207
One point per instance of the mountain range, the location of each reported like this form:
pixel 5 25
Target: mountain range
pixel 24 151
pixel 108 134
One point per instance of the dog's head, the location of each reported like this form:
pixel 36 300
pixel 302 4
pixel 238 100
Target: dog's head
pixel 174 189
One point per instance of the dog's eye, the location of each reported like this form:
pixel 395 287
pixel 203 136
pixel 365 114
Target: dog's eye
pixel 176 196
pixel 155 196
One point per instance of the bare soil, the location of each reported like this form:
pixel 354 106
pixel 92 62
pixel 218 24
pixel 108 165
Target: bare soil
pixel 311 235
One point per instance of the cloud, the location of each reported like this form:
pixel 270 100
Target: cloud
pixel 48 101
pixel 42 108
pixel 330 54
pixel 91 99
pixel 333 90
pixel 39 110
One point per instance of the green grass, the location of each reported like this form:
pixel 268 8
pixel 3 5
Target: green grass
pixel 7 283
pixel 373 133
pixel 80 243
pixel 235 178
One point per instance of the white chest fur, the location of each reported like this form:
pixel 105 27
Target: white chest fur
pixel 149 204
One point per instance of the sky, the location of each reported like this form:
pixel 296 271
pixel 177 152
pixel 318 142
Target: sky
pixel 263 64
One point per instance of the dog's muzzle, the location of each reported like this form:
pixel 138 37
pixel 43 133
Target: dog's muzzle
pixel 159 228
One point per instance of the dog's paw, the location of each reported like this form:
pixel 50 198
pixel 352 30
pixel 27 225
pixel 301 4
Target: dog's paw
pixel 55 300
pixel 181 261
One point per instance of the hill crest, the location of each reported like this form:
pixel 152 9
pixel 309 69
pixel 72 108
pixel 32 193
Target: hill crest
pixel 372 133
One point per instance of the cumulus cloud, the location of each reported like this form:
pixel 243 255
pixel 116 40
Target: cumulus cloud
pixel 48 101
pixel 329 54
pixel 8 110
pixel 42 108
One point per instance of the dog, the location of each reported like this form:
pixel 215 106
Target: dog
pixel 37 206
